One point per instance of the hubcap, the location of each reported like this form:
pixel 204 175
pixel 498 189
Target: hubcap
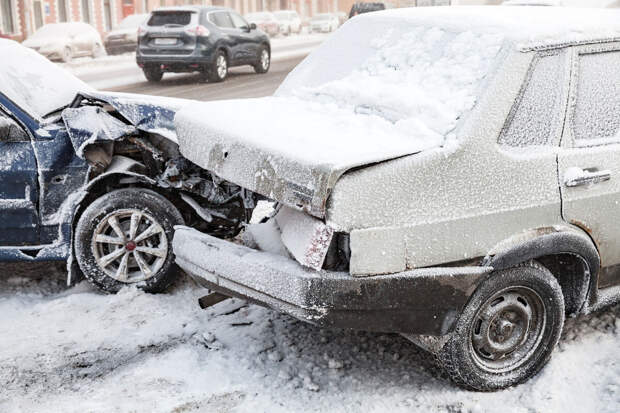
pixel 264 59
pixel 507 329
pixel 221 66
pixel 129 245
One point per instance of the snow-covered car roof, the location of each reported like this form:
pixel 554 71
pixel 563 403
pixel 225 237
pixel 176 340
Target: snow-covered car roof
pixel 35 84
pixel 528 27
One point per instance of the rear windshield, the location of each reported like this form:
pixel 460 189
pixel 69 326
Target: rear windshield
pixel 176 18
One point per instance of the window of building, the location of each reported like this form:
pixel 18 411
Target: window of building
pixel 62 10
pixel 8 25
pixel 86 11
pixel 596 119
pixel 536 115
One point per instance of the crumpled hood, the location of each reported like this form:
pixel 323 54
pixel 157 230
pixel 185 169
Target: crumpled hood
pixel 89 124
pixel 288 149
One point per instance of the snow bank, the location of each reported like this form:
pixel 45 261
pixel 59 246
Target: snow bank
pixel 78 350
pixel 34 83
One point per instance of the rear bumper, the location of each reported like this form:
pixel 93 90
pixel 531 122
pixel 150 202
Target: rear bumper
pixel 179 62
pixel 423 301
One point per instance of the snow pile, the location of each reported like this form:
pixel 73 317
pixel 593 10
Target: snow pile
pixel 34 83
pixel 78 350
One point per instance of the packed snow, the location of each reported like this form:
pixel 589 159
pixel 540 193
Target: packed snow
pixel 76 350
pixel 34 83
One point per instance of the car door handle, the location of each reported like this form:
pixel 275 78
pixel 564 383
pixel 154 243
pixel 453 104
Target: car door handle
pixel 579 177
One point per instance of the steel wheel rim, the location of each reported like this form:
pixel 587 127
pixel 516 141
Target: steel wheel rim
pixel 507 329
pixel 264 59
pixel 130 246
pixel 221 66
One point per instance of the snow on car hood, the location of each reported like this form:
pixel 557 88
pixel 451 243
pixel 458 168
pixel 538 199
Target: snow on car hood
pixel 400 90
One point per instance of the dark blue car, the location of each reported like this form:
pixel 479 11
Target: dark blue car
pixel 97 179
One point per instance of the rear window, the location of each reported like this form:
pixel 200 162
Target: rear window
pixel 176 18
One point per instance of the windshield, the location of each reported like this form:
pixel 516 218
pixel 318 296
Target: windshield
pixel 322 17
pixel 34 83
pixel 52 30
pixel 422 80
pixel 133 21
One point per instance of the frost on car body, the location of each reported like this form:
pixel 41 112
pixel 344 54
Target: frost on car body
pixel 66 146
pixel 464 159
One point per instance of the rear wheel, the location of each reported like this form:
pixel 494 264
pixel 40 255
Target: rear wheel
pixel 67 55
pixel 125 238
pixel 264 61
pixel 153 73
pixel 219 69
pixel 507 331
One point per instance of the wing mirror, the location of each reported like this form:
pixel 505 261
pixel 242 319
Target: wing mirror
pixel 252 26
pixel 11 131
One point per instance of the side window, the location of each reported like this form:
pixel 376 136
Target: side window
pixel 596 119
pixel 537 113
pixel 11 131
pixel 239 21
pixel 221 19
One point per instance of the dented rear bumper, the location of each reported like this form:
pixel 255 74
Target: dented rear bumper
pixel 422 301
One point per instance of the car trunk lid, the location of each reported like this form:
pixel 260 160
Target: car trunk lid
pixel 287 149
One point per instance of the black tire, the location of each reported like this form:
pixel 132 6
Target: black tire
pixel 263 66
pixel 153 73
pixel 214 74
pixel 490 349
pixel 155 213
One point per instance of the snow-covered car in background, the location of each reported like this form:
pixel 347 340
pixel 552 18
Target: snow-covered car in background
pixel 124 38
pixel 97 179
pixel 323 23
pixel 64 41
pixel 288 21
pixel 265 21
pixel 466 196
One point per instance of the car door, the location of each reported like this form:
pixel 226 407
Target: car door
pixel 589 162
pixel 19 223
pixel 247 38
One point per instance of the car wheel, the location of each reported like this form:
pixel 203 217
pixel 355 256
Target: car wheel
pixel 507 331
pixel 125 238
pixel 219 69
pixel 153 73
pixel 98 50
pixel 264 61
pixel 67 55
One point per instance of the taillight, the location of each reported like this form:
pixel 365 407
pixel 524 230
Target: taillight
pixel 199 31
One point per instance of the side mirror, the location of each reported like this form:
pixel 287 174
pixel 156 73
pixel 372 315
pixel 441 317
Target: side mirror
pixel 252 26
pixel 11 131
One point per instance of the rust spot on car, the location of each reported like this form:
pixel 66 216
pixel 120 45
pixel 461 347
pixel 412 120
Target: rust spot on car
pixel 588 230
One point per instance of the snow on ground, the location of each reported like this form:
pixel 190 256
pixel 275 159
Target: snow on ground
pixel 77 350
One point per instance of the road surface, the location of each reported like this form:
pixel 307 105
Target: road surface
pixel 243 82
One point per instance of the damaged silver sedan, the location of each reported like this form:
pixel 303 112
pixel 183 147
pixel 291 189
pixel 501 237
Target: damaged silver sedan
pixel 97 179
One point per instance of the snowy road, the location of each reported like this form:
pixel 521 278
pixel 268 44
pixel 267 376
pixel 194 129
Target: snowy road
pixel 81 351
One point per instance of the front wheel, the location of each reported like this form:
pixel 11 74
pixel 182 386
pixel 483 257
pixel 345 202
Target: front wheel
pixel 507 331
pixel 125 238
pixel 264 61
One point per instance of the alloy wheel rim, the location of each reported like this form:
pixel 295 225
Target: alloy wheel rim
pixel 507 329
pixel 264 59
pixel 221 66
pixel 130 246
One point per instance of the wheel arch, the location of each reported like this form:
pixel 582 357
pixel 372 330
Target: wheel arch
pixel 567 252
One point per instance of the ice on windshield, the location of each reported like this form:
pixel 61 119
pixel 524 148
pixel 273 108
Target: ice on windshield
pixel 418 80
pixel 34 83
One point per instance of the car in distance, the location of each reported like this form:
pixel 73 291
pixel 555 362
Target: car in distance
pixel 96 179
pixel 124 38
pixel 470 210
pixel 359 8
pixel 64 41
pixel 288 21
pixel 208 40
pixel 323 23
pixel 265 21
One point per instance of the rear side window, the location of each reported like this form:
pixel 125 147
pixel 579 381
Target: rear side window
pixel 221 19
pixel 535 117
pixel 238 21
pixel 596 119
pixel 175 18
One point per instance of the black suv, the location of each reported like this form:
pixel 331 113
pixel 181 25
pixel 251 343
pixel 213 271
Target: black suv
pixel 208 40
